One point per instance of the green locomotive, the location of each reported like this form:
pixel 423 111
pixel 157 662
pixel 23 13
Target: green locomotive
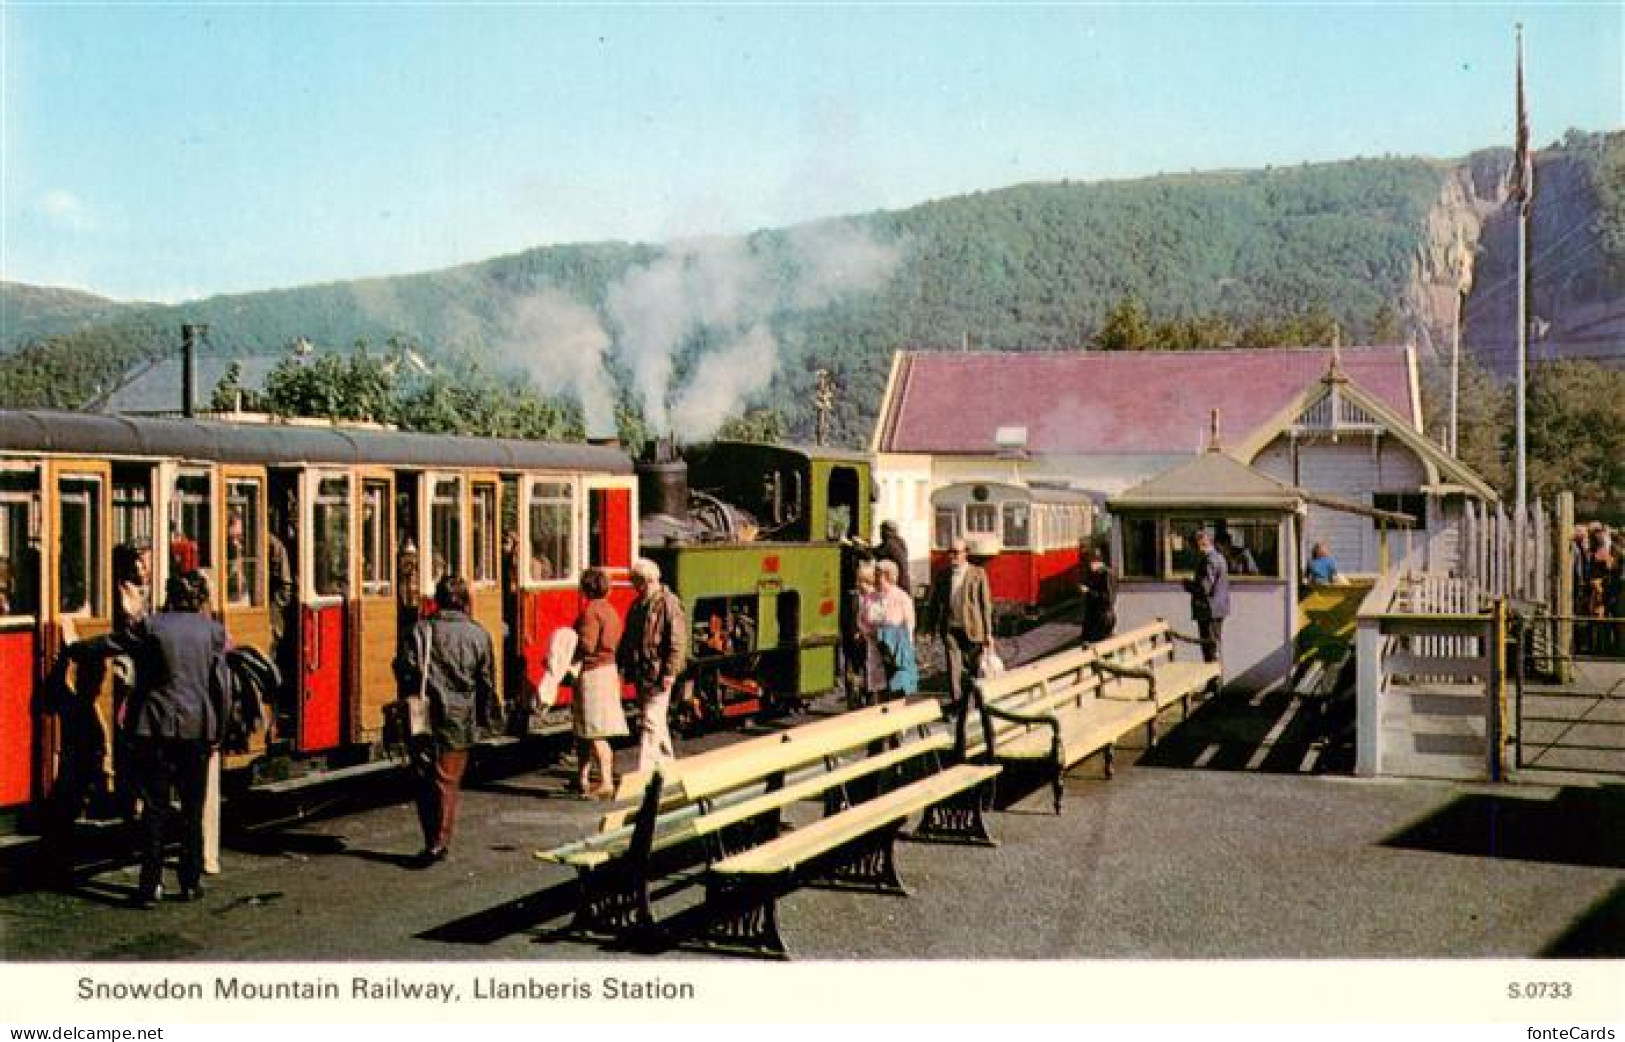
pixel 758 541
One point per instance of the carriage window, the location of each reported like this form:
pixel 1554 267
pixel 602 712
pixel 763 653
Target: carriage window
pixel 484 520
pixel 132 509
pixel 981 519
pixel 331 521
pixel 375 537
pixel 1140 556
pixel 19 557
pixel 551 532
pixel 946 529
pixel 841 517
pixel 79 573
pixel 191 536
pixel 446 530
pixel 1018 525
pixel 243 506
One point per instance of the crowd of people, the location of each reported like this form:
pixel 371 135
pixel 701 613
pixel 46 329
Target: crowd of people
pixel 1599 591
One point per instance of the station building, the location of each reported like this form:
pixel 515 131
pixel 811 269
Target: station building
pixel 1339 424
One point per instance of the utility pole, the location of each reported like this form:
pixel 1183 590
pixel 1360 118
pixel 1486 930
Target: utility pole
pixel 1523 187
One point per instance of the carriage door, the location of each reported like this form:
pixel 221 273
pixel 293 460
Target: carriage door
pixel 484 561
pixel 19 635
pixel 377 639
pixel 80 572
pixel 548 567
pixel 612 534
pixel 244 585
pixel 325 585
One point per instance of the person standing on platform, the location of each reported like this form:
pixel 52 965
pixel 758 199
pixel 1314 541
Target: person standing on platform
pixel 961 612
pixel 893 549
pixel 1099 598
pixel 1210 597
pixel 172 724
pixel 595 712
pixel 451 660
pixel 653 653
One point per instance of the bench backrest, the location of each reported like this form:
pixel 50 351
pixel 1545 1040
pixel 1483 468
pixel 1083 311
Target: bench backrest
pixel 798 747
pixel 1143 647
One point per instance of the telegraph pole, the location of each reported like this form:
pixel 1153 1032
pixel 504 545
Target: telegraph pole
pixel 824 402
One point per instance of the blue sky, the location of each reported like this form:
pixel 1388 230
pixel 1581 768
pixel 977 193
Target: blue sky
pixel 174 151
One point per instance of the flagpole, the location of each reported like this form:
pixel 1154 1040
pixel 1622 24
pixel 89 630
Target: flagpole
pixel 1523 173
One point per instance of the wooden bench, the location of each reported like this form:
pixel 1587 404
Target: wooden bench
pixel 1146 654
pixel 1054 713
pixel 708 808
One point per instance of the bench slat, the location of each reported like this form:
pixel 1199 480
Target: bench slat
pixel 795 848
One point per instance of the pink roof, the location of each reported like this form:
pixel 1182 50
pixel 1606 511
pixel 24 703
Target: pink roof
pixel 1088 402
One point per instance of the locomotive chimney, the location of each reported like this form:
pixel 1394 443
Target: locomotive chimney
pixel 663 480
pixel 190 333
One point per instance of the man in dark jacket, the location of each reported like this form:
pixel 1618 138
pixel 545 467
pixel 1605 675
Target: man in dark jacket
pixel 172 723
pixel 652 655
pixel 1210 597
pixel 450 659
pixel 893 549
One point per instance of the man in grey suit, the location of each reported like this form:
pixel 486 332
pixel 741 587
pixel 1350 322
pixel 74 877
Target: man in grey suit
pixel 1210 596
pixel 961 612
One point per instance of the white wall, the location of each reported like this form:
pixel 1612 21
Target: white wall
pixel 1349 469
pixel 1258 635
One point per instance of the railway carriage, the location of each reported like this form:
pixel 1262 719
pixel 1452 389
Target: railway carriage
pixel 322 544
pixel 1029 534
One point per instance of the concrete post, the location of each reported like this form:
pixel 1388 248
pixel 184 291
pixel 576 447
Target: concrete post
pixel 1368 689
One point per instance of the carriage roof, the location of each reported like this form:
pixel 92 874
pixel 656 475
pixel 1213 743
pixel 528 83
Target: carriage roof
pixel 1003 492
pixel 95 434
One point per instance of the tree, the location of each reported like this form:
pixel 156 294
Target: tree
pixel 1127 327
pixel 1576 436
pixel 764 426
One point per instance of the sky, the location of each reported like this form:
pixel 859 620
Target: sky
pixel 173 151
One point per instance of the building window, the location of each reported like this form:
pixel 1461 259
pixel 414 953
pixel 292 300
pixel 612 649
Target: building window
pixel 1414 504
pixel 552 533
pixel 243 514
pixel 1140 552
pixel 1250 546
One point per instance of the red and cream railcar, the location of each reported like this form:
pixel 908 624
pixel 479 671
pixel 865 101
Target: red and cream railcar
pixel 323 545
pixel 1027 537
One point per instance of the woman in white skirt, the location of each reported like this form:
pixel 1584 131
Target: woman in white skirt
pixel 596 709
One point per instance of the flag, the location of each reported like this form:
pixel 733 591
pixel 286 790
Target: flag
pixel 1521 184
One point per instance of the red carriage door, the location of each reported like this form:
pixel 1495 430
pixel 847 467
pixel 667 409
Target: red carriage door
pixel 19 630
pixel 549 565
pixel 326 583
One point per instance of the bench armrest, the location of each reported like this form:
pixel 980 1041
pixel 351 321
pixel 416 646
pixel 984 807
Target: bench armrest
pixel 1187 638
pixel 1048 720
pixel 1146 675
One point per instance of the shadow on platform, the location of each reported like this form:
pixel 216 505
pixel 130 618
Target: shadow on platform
pixel 1277 733
pixel 1584 827
pixel 1600 933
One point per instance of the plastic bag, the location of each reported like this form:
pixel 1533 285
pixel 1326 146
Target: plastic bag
pixel 992 665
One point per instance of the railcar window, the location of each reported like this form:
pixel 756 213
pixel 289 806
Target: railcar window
pixel 484 520
pixel 244 513
pixel 191 536
pixel 981 519
pixel 376 555
pixel 552 531
pixel 19 557
pixel 331 521
pixel 946 529
pixel 1018 526
pixel 78 573
pixel 446 529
